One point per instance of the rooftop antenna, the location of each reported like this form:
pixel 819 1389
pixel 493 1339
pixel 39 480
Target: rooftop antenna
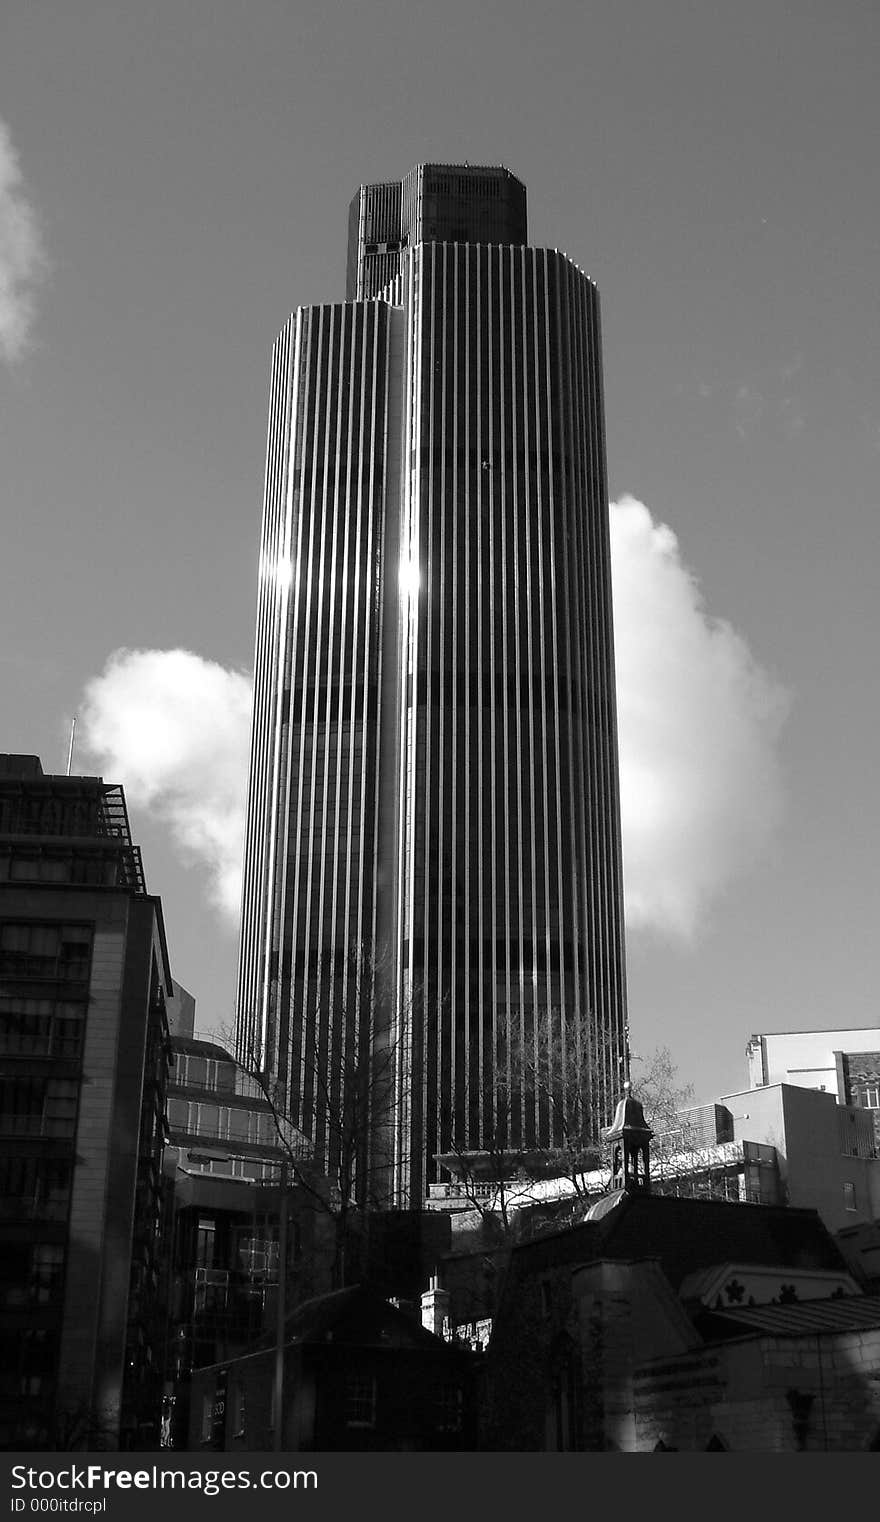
pixel 70 747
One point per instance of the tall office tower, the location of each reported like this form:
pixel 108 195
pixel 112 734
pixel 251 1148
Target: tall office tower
pixel 434 753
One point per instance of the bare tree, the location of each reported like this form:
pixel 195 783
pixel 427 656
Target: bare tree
pixel 565 1071
pixel 495 1180
pixel 656 1082
pixel 353 1087
pixel 520 1188
pixel 541 1127
pixel 684 1150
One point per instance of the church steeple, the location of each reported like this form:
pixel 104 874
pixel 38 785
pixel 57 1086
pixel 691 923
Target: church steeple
pixel 628 1136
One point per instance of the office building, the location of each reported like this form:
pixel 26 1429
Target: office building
pixel 432 882
pixel 844 1062
pixel 84 1054
pixel 222 1170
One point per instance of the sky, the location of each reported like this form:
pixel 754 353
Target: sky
pixel 174 180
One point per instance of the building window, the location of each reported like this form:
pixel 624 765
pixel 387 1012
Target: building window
pixel 15 1267
pixel 59 1113
pixel 30 866
pixel 93 869
pixel 31 1106
pixel 257 1256
pixel 195 1072
pixel 34 1188
pixel 177 1111
pixel 360 1400
pixel 205 1242
pixel 207 1120
pixel 40 1027
pixel 849 1197
pixel 868 1096
pixel 47 1273
pixel 45 951
pixel 237 1125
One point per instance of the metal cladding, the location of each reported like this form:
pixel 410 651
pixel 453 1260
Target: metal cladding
pixel 434 759
pixel 434 203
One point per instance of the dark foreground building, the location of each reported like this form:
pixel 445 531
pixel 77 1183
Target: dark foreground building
pixel 83 1064
pixel 359 1375
pixel 227 1180
pixel 221 1172
pixel 432 886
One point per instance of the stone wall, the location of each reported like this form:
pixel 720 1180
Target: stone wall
pixel 770 1394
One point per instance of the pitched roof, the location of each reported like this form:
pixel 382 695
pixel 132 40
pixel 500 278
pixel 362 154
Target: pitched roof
pixel 685 1235
pixel 358 1316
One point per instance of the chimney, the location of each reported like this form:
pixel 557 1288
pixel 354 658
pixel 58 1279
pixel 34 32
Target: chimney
pixel 435 1306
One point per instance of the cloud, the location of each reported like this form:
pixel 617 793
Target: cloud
pixel 23 262
pixel 174 729
pixel 699 722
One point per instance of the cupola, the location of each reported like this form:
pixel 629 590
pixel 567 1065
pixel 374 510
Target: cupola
pixel 628 1137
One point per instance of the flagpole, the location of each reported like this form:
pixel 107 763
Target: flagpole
pixel 70 747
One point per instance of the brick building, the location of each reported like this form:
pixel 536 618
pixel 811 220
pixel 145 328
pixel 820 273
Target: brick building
pixel 359 1375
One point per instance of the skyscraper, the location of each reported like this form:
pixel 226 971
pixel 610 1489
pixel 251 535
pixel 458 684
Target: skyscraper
pixel 434 757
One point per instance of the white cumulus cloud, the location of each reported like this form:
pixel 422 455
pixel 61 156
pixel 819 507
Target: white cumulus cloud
pixel 699 722
pixel 174 729
pixel 23 261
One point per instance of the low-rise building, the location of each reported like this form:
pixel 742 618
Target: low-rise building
pixel 845 1063
pixel 662 1323
pixel 825 1150
pixel 358 1374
